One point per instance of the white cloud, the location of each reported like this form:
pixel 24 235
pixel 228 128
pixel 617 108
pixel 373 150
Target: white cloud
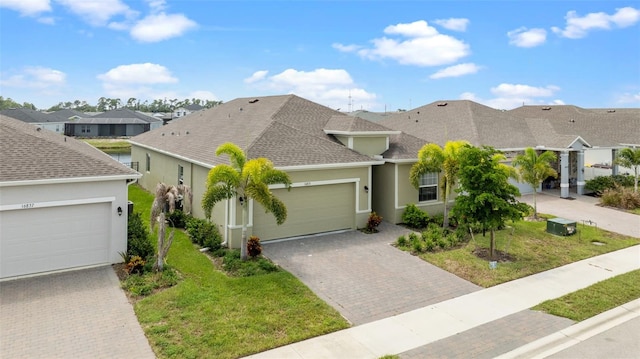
pixel 157 5
pixel 40 78
pixel 202 95
pixel 331 87
pixel 524 37
pixel 27 7
pixel 418 44
pixel 578 27
pixel 257 76
pixel 455 24
pixel 509 96
pixel 456 71
pixel 98 12
pixel 154 28
pixel 629 98
pixel 146 73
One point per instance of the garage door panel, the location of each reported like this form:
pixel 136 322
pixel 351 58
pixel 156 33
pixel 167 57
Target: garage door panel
pixel 46 239
pixel 311 209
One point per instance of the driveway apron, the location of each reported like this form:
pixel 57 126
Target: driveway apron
pixel 79 314
pixel 363 276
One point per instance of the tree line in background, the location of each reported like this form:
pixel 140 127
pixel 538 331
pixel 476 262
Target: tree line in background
pixel 106 104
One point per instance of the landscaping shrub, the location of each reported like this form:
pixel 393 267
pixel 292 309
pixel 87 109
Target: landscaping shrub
pixel 601 183
pixel 204 233
pixel 233 265
pixel 138 243
pixel 402 241
pixel 620 197
pixel 373 222
pixel 414 217
pixel 135 264
pixel 438 219
pixel 178 219
pixel 254 248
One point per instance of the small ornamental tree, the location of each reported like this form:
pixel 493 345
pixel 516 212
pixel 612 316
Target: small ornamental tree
pixel 533 169
pixel 485 197
pixel 630 158
pixel 164 202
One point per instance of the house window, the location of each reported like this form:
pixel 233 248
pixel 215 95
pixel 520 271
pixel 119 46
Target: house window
pixel 148 162
pixel 180 174
pixel 85 129
pixel 428 190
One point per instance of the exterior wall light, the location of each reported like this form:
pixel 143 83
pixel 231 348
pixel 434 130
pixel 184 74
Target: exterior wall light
pixel 119 211
pixel 366 189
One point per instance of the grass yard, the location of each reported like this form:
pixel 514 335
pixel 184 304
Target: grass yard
pixel 211 315
pixel 109 144
pixel 532 250
pixel 595 299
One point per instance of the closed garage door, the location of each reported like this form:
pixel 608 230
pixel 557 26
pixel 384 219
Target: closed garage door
pixel 312 209
pixel 46 239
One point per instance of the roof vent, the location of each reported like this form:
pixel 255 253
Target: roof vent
pixel 186 133
pixel 610 111
pixel 254 100
pixel 572 120
pixel 442 104
pixel 546 108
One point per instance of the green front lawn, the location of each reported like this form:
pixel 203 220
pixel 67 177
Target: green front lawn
pixel 211 315
pixel 531 249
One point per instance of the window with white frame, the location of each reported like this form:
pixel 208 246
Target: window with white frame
pixel 180 174
pixel 428 190
pixel 148 162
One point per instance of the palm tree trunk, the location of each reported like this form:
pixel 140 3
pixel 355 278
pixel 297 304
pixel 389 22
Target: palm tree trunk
pixel 535 205
pixel 492 245
pixel 243 246
pixel 445 222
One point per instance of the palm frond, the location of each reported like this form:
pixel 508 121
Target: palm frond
pixel 237 157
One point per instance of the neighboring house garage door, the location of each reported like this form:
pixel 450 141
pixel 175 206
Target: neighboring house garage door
pixel 312 209
pixel 46 239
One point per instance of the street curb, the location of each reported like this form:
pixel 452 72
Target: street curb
pixel 576 333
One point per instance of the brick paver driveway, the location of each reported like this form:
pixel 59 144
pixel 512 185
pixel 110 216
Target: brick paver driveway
pixel 363 276
pixel 80 314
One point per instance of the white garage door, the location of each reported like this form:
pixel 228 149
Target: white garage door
pixel 312 209
pixel 45 239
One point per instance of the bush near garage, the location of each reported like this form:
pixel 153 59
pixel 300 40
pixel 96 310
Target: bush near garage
pixel 138 243
pixel 204 233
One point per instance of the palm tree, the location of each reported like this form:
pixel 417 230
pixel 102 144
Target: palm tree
pixel 533 169
pixel 245 179
pixel 630 158
pixel 165 200
pixel 433 158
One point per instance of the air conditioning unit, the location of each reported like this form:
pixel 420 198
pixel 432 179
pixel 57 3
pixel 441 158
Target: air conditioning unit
pixel 561 226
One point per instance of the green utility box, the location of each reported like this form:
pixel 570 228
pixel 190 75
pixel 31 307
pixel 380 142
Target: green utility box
pixel 561 226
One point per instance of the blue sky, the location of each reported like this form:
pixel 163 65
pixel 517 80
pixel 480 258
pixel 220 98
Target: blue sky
pixel 351 55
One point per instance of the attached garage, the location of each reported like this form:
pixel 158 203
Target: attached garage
pixel 48 239
pixel 63 203
pixel 310 209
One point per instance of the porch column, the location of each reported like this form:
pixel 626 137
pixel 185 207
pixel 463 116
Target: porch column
pixel 564 174
pixel 580 160
pixel 614 167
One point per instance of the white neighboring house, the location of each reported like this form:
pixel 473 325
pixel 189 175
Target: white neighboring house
pixel 48 121
pixel 63 203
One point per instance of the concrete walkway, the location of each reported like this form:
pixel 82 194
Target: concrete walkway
pixel 419 327
pixel 78 314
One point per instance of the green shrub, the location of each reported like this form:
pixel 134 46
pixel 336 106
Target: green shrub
pixel 402 241
pixel 233 265
pixel 601 183
pixel 414 217
pixel 138 243
pixel 178 219
pixel 429 245
pixel 204 233
pixel 254 248
pixel 438 219
pixel 416 246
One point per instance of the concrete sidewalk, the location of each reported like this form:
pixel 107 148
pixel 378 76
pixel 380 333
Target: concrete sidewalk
pixel 420 327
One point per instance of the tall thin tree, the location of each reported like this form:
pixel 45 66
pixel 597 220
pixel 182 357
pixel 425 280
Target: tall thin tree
pixel 533 168
pixel 245 179
pixel 433 158
pixel 630 158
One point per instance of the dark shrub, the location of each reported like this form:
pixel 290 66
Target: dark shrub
pixel 204 233
pixel 178 219
pixel 601 183
pixel 621 197
pixel 254 248
pixel 138 243
pixel 414 217
pixel 373 222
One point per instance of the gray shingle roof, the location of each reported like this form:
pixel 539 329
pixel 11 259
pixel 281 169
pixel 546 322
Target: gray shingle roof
pixel 599 127
pixel 68 113
pixel 32 116
pixel 345 123
pixel 30 153
pixel 126 113
pixel 286 129
pixel 443 121
pixel 404 147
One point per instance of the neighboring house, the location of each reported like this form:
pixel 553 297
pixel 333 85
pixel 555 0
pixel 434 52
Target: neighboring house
pixel 329 156
pixel 63 203
pixel 567 130
pixel 70 114
pixel 120 122
pixel 185 110
pixel 47 121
